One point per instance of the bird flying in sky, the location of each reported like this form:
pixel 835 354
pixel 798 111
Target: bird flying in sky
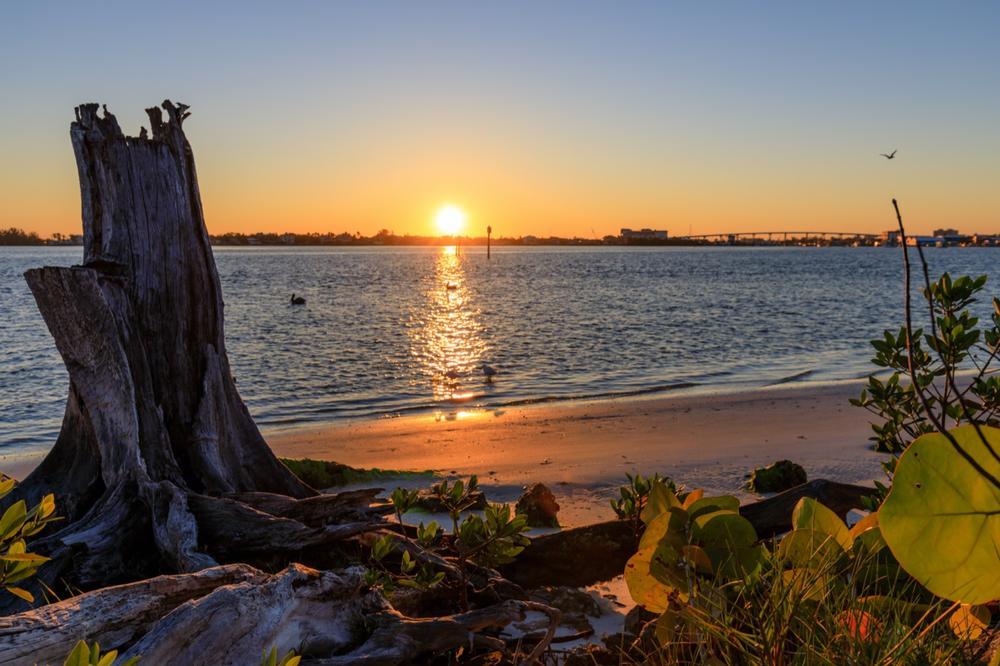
pixel 889 156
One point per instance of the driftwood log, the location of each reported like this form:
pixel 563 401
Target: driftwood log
pixel 226 616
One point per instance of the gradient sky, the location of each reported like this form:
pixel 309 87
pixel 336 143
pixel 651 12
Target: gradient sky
pixel 567 118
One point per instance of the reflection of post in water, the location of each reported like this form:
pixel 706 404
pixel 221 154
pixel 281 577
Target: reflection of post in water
pixel 449 341
pixel 489 232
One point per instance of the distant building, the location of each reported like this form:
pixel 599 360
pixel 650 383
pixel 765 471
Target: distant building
pixel 890 238
pixel 629 235
pixel 946 233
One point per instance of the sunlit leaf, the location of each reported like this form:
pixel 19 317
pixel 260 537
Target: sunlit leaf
pixel 646 589
pixel 661 499
pixel 942 517
pixel 809 549
pixel 710 504
pixel 811 515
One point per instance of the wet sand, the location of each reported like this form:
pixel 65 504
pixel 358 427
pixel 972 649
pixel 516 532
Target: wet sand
pixel 583 450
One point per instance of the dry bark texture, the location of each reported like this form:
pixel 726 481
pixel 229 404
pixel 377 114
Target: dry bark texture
pixel 153 420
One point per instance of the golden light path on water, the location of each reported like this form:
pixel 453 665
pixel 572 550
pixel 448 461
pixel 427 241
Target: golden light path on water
pixel 447 335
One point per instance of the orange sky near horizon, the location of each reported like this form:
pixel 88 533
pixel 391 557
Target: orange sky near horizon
pixel 249 188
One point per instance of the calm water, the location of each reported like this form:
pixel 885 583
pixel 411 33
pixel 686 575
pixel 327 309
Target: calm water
pixel 389 330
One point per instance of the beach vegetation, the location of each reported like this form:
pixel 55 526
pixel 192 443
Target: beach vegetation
pixel 956 344
pixel 776 477
pixel 84 654
pixel 329 474
pixel 456 497
pixel 19 523
pixel 822 593
pixel 271 658
pixel 634 495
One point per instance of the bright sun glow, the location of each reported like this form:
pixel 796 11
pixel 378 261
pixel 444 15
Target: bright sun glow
pixel 449 219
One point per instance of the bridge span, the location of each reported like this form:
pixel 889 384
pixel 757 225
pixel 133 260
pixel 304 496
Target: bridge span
pixel 778 236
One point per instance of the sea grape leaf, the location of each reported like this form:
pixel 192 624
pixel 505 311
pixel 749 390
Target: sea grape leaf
pixel 729 540
pixel 709 504
pixel 693 497
pixel 669 526
pixel 811 515
pixel 806 548
pixel 646 589
pixel 698 558
pixel 661 499
pixel 941 519
pixel 866 523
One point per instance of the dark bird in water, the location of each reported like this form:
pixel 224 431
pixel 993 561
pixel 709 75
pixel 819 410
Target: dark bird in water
pixel 453 374
pixel 298 300
pixel 490 372
pixel 889 156
pixel 451 286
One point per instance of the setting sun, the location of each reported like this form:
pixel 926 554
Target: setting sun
pixel 450 219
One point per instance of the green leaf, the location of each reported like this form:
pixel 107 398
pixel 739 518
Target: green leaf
pixel 79 656
pixel 661 499
pixel 24 557
pixel 805 548
pixel 942 517
pixel 709 504
pixel 13 518
pixel 811 515
pixel 643 574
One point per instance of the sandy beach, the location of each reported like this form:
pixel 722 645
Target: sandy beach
pixel 583 450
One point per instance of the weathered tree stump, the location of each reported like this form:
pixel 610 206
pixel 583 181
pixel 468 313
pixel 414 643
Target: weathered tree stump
pixel 153 420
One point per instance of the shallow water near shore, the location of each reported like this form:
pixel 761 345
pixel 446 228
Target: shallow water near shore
pixel 387 331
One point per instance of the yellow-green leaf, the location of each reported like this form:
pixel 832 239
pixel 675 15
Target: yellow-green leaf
pixel 79 656
pixel 942 517
pixel 811 515
pixel 710 504
pixel 805 548
pixel 13 518
pixel 24 557
pixel 645 587
pixel 661 499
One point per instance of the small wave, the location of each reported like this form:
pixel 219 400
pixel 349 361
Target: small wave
pixel 792 378
pixel 606 394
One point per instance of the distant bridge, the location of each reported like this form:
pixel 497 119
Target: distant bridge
pixel 776 236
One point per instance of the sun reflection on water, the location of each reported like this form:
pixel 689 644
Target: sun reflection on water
pixel 447 336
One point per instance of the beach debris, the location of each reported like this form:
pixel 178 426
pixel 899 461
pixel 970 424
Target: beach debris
pixel 569 600
pixel 776 477
pixel 539 506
